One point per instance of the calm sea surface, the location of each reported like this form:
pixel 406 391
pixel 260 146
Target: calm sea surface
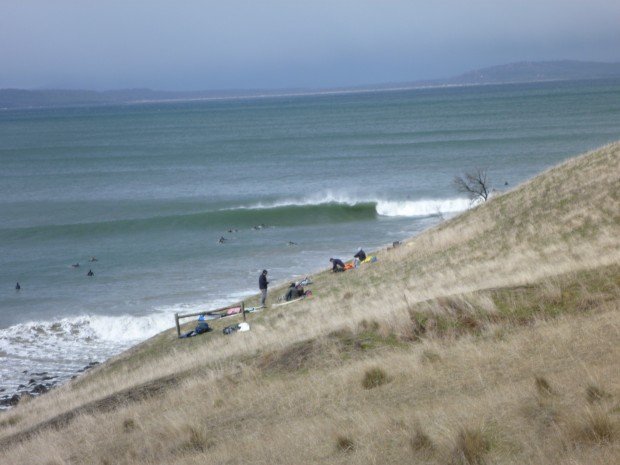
pixel 149 189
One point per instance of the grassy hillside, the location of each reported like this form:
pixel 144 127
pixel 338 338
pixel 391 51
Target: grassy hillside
pixel 492 338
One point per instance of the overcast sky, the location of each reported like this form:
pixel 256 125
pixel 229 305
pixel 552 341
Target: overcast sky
pixel 192 45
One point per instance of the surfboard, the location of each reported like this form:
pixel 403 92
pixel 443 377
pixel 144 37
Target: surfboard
pixel 289 302
pixel 233 311
pixel 254 309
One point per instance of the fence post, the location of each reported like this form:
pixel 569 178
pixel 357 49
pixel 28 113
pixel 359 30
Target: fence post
pixel 243 310
pixel 176 320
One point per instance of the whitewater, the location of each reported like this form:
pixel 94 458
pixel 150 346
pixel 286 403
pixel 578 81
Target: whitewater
pixel 288 182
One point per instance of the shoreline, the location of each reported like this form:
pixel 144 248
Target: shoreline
pixel 46 382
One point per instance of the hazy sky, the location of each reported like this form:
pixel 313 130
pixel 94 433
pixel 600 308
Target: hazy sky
pixel 191 45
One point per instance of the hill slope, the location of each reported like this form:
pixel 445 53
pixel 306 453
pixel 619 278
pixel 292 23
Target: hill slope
pixel 494 337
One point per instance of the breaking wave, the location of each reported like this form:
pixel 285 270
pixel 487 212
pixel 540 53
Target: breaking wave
pixel 403 208
pixel 321 209
pixel 73 338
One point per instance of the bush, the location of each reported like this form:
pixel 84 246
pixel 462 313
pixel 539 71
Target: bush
pixel 374 377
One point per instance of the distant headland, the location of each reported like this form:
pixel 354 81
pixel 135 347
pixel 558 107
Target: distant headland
pixel 520 72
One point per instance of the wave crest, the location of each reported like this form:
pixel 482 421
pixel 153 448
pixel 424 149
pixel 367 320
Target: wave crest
pixel 69 338
pixel 393 208
pixel 413 208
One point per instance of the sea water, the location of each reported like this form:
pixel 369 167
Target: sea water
pixel 149 189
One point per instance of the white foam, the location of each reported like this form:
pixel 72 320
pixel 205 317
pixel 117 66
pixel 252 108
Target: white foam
pixel 421 207
pixel 324 198
pixel 384 207
pixel 79 337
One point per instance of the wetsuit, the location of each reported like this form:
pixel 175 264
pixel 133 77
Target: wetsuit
pixel 262 285
pixel 337 265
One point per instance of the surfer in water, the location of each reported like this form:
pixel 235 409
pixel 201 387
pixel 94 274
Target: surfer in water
pixel 76 265
pixel 90 273
pixel 17 287
pixel 222 239
pixel 93 259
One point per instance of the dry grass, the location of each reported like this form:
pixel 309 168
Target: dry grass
pixel 502 317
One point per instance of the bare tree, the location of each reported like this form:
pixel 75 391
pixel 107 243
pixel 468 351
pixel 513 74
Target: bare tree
pixel 475 185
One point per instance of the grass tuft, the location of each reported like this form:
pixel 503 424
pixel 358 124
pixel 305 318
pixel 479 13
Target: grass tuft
pixel 374 377
pixel 11 421
pixel 344 444
pixel 542 386
pixel 595 394
pixel 196 440
pixel 421 442
pixel 471 448
pixel 129 425
pixel 594 428
pixel 429 356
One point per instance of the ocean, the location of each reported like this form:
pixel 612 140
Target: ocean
pixel 149 189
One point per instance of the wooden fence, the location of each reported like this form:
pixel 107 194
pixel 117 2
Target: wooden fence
pixel 220 311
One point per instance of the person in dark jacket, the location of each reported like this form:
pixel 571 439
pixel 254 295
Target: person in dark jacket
pixel 295 291
pixel 262 285
pixel 337 265
pixel 360 255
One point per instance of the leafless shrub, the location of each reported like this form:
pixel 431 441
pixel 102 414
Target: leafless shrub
pixel 475 185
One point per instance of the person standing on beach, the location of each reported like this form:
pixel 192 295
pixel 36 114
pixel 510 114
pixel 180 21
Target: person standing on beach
pixel 262 285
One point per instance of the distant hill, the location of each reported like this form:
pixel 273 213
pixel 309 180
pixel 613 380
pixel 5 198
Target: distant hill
pixel 509 73
pixel 534 71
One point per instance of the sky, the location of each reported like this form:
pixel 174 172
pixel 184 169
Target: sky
pixel 269 44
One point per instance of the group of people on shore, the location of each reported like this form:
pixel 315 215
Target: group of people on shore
pixel 339 266
pixel 296 290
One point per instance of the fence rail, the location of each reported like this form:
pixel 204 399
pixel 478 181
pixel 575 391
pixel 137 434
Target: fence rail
pixel 178 316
